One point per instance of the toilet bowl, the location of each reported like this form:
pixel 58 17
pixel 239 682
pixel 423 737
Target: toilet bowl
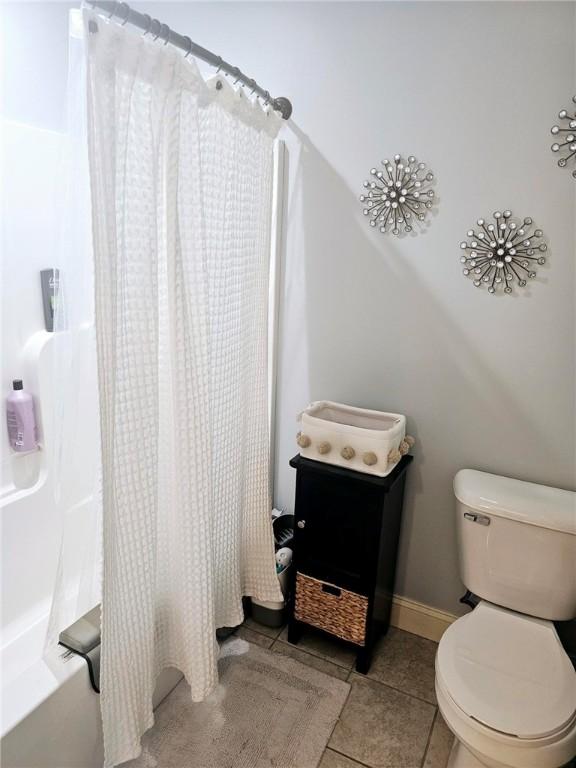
pixel 505 686
pixel 507 690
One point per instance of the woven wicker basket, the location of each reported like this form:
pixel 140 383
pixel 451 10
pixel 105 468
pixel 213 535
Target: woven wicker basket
pixel 335 610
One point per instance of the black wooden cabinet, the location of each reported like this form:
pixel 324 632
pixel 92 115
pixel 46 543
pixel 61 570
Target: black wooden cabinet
pixel 347 526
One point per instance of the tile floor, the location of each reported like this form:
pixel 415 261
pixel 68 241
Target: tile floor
pixel 390 719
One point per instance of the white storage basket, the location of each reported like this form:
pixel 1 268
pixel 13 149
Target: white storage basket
pixel 366 441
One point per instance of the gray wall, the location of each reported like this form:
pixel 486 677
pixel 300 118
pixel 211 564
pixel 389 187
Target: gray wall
pixel 471 89
pixel 486 382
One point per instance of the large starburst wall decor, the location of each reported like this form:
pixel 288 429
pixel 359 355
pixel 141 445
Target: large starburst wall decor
pixel 502 253
pixel 566 133
pixel 398 195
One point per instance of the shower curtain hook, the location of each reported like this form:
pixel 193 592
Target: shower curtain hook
pixel 189 51
pixel 127 13
pixel 157 35
pixel 113 11
pixel 220 62
pixel 148 24
pixel 167 35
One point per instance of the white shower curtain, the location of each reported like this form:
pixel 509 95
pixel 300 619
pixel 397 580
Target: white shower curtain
pixel 181 174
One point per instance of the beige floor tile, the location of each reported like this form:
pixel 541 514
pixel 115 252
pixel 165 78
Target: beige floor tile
pixel 322 665
pixel 381 727
pixel 268 631
pixel 328 648
pixel 440 744
pixel 405 662
pixel 254 637
pixel 331 759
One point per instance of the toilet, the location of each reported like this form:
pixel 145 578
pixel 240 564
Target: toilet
pixel 505 685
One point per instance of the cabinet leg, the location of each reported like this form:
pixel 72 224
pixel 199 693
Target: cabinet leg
pixel 294 631
pixel 363 660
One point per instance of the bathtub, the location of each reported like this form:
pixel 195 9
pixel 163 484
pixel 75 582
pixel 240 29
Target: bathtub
pixel 50 716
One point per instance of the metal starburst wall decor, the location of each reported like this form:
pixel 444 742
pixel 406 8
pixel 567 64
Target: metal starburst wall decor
pixel 566 132
pixel 398 195
pixel 502 253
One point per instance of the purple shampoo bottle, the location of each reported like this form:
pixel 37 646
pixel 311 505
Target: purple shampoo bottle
pixel 22 431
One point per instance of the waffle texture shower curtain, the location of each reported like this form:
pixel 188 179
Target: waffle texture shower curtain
pixel 181 175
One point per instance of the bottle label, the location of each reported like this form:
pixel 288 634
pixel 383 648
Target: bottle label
pixel 15 434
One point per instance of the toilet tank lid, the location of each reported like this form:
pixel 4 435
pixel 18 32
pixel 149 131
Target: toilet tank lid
pixel 517 500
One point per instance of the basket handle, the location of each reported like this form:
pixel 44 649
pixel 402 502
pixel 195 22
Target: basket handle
pixel 329 589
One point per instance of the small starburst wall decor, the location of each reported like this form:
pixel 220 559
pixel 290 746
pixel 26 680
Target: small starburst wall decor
pixel 398 196
pixel 502 253
pixel 566 133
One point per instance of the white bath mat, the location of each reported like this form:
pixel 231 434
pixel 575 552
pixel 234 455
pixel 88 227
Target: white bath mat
pixel 268 711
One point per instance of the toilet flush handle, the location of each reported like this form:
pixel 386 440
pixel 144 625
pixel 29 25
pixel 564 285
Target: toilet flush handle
pixel 476 518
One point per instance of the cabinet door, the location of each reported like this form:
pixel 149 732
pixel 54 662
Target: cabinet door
pixel 337 530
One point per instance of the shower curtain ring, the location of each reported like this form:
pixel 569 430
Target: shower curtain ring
pixel 126 13
pixel 220 62
pixel 113 11
pixel 148 24
pixel 157 35
pixel 189 50
pixel 167 35
pixel 252 84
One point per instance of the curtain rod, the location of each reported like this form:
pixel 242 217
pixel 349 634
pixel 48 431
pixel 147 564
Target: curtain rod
pixel 152 26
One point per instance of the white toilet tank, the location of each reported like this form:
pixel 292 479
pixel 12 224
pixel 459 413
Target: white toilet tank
pixel 517 543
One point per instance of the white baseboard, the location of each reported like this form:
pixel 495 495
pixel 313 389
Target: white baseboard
pixel 420 619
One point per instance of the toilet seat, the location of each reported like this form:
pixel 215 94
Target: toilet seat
pixel 507 689
pixel 494 749
pixel 509 672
